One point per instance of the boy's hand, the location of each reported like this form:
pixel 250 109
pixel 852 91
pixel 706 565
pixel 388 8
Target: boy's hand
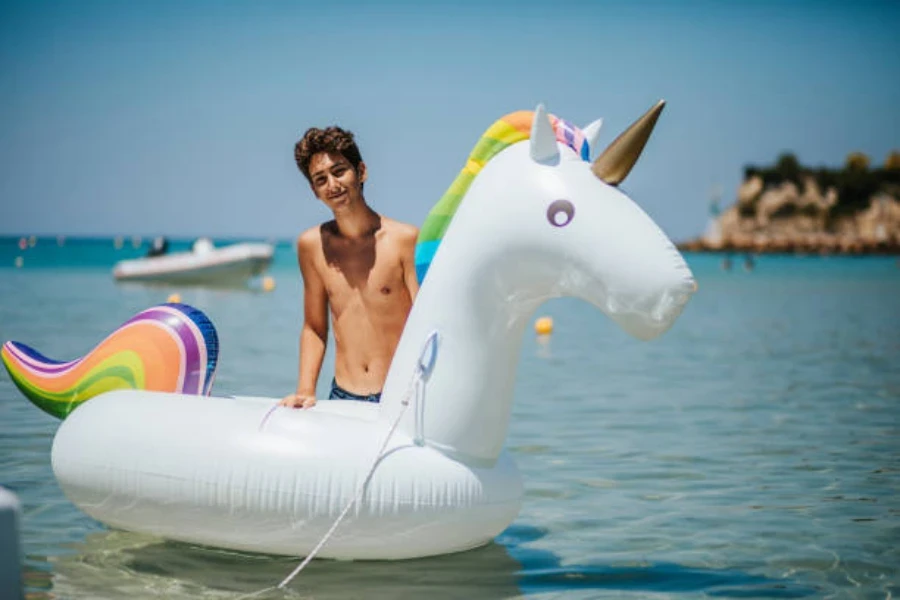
pixel 298 400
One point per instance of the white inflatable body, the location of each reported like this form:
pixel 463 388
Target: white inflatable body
pixel 226 265
pixel 538 221
pixel 201 470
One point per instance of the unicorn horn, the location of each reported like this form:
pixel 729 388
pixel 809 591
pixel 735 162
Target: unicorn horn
pixel 617 160
pixel 592 133
pixel 543 139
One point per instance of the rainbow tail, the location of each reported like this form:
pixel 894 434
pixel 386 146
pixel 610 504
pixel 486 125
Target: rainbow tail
pixel 166 348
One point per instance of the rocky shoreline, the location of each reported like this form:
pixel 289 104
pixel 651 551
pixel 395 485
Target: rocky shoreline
pixel 787 208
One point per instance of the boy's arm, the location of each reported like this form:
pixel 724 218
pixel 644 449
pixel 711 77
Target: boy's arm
pixel 409 261
pixel 314 334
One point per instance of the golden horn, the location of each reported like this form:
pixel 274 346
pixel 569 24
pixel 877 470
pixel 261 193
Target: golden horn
pixel 617 160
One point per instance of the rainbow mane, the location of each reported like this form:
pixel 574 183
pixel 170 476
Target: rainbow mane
pixel 506 131
pixel 166 348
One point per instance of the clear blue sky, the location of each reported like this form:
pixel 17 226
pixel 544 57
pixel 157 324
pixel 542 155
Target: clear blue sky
pixel 180 118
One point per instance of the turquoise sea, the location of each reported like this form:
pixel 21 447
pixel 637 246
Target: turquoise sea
pixel 751 452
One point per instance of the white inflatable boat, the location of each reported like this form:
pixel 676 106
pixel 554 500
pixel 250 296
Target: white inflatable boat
pixel 204 264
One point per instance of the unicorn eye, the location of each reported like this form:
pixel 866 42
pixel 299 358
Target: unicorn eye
pixel 560 213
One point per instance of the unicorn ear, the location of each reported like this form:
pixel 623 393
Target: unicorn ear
pixel 543 139
pixel 592 133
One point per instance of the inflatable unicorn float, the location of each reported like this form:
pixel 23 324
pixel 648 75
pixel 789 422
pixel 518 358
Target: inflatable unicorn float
pixel 530 217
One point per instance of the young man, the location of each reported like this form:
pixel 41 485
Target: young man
pixel 359 265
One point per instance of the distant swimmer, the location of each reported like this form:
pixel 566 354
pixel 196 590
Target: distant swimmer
pixel 726 263
pixel 749 263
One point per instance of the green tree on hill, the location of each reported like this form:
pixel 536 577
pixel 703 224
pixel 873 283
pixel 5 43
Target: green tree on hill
pixel 892 162
pixel 855 183
pixel 857 161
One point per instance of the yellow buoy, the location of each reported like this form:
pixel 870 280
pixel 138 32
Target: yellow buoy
pixel 174 298
pixel 543 326
pixel 268 283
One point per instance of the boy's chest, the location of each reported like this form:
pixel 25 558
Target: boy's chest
pixel 375 281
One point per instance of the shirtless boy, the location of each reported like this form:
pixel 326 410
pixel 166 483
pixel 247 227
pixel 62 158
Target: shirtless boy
pixel 360 266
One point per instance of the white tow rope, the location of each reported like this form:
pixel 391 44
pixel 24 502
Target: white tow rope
pixel 427 358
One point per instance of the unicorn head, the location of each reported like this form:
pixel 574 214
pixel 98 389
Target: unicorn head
pixel 529 218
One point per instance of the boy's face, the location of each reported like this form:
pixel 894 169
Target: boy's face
pixel 334 181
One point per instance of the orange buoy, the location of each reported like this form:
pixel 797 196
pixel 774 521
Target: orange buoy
pixel 543 326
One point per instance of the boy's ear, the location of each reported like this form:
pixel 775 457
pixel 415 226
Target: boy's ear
pixel 361 171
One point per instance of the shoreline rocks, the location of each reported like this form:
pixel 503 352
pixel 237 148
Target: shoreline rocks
pixel 787 209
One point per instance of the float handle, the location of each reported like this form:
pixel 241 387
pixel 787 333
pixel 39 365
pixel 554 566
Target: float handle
pixel 427 359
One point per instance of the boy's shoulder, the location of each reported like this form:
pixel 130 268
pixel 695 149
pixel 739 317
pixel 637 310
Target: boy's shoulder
pixel 403 231
pixel 311 238
pixel 313 235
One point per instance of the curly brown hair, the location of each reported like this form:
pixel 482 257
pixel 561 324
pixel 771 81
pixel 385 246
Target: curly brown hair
pixel 330 139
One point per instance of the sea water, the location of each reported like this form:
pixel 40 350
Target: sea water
pixel 751 451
